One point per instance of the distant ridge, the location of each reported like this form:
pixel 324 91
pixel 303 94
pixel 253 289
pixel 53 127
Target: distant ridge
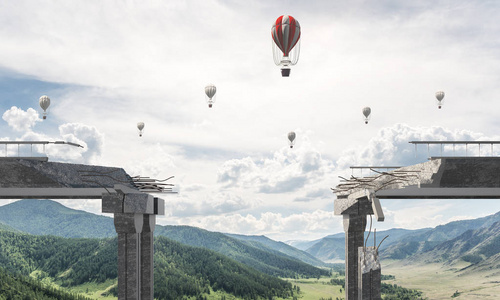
pixel 47 217
pixel 401 243
pixel 263 242
pixel 4 227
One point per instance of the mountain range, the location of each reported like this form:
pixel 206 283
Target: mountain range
pixel 46 217
pixel 41 238
pixel 400 243
pixel 51 218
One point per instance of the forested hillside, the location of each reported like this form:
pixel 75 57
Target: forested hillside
pixel 267 244
pixel 46 217
pixel 272 263
pixel 179 269
pixel 193 271
pixel 24 287
pixel 4 227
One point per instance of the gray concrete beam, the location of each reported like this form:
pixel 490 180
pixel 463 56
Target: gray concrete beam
pixel 52 193
pixel 415 192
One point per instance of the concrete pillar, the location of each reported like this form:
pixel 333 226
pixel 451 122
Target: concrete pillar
pixel 147 251
pixel 354 227
pixel 135 218
pixel 370 276
pixel 129 227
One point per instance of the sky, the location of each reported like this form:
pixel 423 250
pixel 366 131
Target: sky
pixel 107 65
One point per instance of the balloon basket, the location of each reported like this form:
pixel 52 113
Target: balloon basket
pixel 210 105
pixel 285 72
pixel 44 117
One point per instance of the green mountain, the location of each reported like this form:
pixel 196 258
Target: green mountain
pixel 24 287
pixel 480 247
pixel 46 217
pixel 420 242
pixel 267 244
pixel 4 227
pixel 267 261
pixel 401 243
pixel 331 250
pixel 180 270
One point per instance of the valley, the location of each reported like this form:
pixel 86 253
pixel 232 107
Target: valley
pixel 441 281
pixel 460 258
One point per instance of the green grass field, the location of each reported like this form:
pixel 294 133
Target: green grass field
pixel 95 290
pixel 314 289
pixel 439 281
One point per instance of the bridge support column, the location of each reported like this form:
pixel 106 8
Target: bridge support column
pixel 147 251
pixel 129 229
pixel 135 218
pixel 354 227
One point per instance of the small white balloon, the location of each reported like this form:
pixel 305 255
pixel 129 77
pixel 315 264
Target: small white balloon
pixel 140 126
pixel 366 112
pixel 291 138
pixel 439 97
pixel 44 102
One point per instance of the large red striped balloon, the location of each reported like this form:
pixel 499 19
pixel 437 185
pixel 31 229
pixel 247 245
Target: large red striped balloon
pixel 286 33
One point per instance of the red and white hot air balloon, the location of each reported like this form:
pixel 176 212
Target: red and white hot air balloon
pixel 286 43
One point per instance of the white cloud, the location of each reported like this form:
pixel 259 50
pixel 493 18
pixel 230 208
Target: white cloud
pixel 21 120
pixel 287 170
pixel 87 136
pixel 390 146
pixel 275 225
pixel 215 204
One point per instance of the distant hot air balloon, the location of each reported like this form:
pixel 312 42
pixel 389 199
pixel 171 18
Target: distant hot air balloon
pixel 210 91
pixel 140 126
pixel 286 43
pixel 44 104
pixel 291 138
pixel 366 112
pixel 439 97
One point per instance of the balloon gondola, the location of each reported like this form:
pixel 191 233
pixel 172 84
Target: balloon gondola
pixel 286 43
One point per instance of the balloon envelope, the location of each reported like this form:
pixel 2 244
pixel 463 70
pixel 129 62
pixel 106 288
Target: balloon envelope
pixel 440 95
pixel 140 125
pixel 286 33
pixel 44 102
pixel 367 111
pixel 210 91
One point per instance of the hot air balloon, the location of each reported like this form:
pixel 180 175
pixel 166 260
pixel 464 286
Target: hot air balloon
pixel 286 43
pixel 210 91
pixel 291 138
pixel 44 104
pixel 439 97
pixel 366 112
pixel 140 126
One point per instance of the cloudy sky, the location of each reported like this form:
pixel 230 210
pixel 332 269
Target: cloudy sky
pixel 107 65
